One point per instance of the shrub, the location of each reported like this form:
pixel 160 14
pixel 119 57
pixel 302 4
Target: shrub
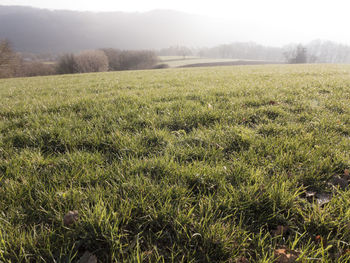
pixel 91 61
pixel 140 59
pixel 160 66
pixel 66 64
pixel 130 59
pixel 31 69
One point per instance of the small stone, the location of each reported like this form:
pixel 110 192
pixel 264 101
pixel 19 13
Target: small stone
pixel 338 181
pixel 280 230
pixel 71 217
pixel 323 199
pixel 88 258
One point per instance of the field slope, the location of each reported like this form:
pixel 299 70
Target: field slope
pixel 224 164
pixel 181 62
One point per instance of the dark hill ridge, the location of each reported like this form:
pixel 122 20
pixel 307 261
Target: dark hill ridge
pixel 42 30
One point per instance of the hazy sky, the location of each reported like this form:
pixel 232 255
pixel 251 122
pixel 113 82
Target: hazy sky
pixel 272 22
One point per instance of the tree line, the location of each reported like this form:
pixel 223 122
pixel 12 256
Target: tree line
pixel 12 64
pixel 317 51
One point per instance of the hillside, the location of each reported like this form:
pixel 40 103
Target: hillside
pixel 224 164
pixel 41 30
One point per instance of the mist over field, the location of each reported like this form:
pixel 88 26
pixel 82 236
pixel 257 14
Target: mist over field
pixel 41 30
pixel 168 32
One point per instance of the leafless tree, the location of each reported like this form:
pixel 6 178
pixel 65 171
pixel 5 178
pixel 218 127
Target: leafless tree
pixel 91 61
pixel 242 50
pixel 113 56
pixel 184 52
pixel 295 54
pixel 10 61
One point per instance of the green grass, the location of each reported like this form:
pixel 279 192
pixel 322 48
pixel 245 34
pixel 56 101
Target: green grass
pixel 176 165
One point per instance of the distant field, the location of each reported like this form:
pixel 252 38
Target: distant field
pixel 223 164
pixel 174 58
pixel 179 61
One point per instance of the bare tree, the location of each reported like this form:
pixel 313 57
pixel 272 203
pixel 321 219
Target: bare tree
pixel 243 50
pixel 226 51
pixel 10 62
pixel 184 52
pixel 295 54
pixel 91 61
pixel 137 59
pixel 113 56
pixel 328 52
pixel 175 51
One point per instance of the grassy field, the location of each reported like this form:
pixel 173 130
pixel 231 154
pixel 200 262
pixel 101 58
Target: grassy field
pixel 224 164
pixel 180 61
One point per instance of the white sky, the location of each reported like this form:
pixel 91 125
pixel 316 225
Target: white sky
pixel 299 20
